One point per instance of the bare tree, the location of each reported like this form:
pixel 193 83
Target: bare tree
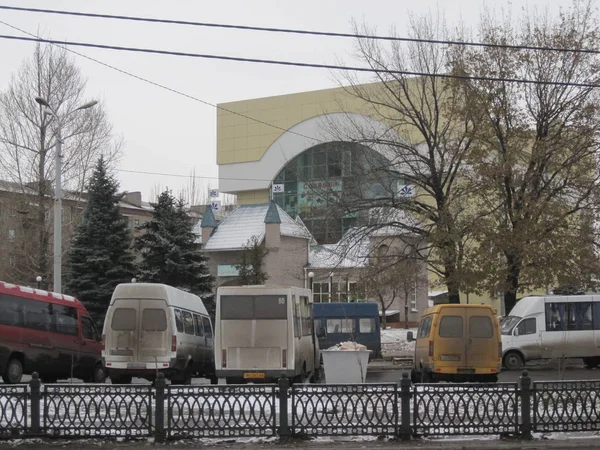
pixel 535 146
pixel 423 142
pixel 395 272
pixel 28 137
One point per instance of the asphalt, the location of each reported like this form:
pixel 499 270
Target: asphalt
pixel 588 441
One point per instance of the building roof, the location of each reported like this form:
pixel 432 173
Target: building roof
pixel 247 221
pixel 208 220
pixel 272 214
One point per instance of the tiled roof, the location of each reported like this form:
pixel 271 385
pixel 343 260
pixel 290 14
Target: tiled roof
pixel 237 230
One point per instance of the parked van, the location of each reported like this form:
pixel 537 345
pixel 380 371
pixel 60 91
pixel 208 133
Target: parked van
pixel 151 328
pixel 457 342
pixel 339 322
pixel 264 331
pixel 543 327
pixel 48 333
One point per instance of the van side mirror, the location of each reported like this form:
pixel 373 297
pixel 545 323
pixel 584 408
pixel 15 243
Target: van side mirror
pixel 516 332
pixel 321 332
pixel 409 336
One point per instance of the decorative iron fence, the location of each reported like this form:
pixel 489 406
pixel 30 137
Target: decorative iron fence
pixel 398 410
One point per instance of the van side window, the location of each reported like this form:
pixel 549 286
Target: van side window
pixel 340 326
pixel 154 319
pixel 88 330
pixel 527 326
pixel 123 319
pixel 424 327
pixel 188 323
pixel 580 316
pixel 37 315
pixel 480 327
pixel 207 327
pixel 12 311
pixel 65 320
pixel 366 325
pixel 556 316
pixel 451 327
pixel 198 322
pixel 178 321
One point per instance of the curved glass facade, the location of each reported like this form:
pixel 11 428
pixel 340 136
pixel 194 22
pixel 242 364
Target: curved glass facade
pixel 326 181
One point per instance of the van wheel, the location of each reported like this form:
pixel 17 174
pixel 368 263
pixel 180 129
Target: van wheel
pixel 591 362
pixel 184 377
pixel 513 361
pixel 13 372
pixel 98 375
pixel 214 379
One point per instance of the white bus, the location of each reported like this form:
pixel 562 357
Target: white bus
pixel 263 332
pixel 151 328
pixel 544 327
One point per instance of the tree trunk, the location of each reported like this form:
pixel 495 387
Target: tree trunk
pixel 383 318
pixel 512 283
pixel 453 293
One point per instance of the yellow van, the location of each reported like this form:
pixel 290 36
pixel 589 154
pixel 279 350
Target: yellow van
pixel 457 342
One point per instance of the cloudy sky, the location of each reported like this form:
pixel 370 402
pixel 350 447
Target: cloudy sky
pixel 168 135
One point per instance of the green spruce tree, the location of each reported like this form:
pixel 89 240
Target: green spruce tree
pixel 170 251
pixel 100 256
pixel 250 269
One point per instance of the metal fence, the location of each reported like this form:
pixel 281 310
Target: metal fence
pixel 401 410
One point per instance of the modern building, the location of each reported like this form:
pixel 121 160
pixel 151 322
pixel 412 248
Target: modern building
pixel 294 150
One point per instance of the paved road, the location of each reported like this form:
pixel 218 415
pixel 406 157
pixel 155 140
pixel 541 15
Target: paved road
pixel 537 373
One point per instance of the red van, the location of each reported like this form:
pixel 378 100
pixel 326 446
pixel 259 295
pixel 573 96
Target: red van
pixel 48 333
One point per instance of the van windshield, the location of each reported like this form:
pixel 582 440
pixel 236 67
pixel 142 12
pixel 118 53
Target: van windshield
pixel 508 323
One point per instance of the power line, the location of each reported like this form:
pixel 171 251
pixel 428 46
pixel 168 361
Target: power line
pixel 301 64
pixel 297 31
pixel 167 88
pixel 179 175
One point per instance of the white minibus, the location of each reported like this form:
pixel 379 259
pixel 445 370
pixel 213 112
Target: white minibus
pixel 263 332
pixel 547 327
pixel 151 328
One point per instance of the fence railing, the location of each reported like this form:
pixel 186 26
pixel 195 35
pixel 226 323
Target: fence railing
pixel 400 410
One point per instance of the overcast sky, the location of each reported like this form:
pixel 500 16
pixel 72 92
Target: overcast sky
pixel 170 134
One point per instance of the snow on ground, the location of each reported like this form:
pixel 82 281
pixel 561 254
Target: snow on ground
pixel 394 343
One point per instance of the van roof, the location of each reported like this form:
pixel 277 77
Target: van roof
pixel 149 291
pixel 437 308
pixel 39 294
pixel 344 309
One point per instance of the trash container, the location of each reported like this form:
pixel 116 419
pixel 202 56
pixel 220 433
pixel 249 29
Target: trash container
pixel 345 366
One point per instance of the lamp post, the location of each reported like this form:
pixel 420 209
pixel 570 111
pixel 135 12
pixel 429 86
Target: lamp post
pixel 39 281
pixel 57 285
pixel 311 275
pixel 330 286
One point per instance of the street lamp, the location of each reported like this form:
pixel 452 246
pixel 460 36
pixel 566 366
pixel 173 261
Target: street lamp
pixel 311 275
pixel 57 287
pixel 39 281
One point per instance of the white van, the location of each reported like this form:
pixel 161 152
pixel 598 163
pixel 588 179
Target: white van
pixel 544 327
pixel 263 332
pixel 151 328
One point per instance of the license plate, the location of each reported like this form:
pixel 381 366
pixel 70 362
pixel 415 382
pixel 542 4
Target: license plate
pixel 254 375
pixel 461 370
pixel 136 365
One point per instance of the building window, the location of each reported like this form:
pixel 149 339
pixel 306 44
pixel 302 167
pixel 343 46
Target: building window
pixel 413 299
pixel 11 235
pixel 136 222
pixel 12 260
pixel 321 292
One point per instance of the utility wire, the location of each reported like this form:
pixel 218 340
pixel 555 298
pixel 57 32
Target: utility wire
pixel 179 175
pixel 167 88
pixel 297 31
pixel 301 64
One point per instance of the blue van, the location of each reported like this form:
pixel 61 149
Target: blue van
pixel 340 322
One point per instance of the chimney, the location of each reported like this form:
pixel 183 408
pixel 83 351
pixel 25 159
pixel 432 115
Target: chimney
pixel 208 224
pixel 272 227
pixel 134 198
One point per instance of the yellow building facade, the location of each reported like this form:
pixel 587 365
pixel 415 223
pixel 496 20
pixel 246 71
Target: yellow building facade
pixel 256 138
